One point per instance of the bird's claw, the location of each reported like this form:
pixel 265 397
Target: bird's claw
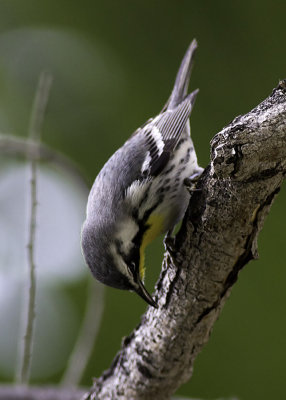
pixel 191 182
pixel 169 243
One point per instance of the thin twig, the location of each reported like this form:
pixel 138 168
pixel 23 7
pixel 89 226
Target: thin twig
pixel 87 335
pixel 17 146
pixel 37 115
pixel 51 393
pixel 8 392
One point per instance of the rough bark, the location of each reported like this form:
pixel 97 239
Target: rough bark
pixel 217 239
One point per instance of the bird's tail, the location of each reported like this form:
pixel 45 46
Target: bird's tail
pixel 180 88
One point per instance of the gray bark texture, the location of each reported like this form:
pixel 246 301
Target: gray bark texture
pixel 217 239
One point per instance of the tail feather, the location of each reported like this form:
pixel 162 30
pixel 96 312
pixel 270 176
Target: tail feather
pixel 180 88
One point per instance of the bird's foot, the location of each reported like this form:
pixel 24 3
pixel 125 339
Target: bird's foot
pixel 191 182
pixel 169 242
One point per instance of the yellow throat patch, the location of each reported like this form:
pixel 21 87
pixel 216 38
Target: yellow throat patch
pixel 155 222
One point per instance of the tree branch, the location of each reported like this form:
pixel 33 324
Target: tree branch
pixel 217 238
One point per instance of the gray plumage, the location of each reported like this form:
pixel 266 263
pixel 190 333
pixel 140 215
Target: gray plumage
pixel 143 177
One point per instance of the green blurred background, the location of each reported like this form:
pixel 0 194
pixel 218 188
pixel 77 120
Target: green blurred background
pixel 114 64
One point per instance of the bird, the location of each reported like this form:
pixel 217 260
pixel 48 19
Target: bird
pixel 141 193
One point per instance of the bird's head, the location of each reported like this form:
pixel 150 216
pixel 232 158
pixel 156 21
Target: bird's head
pixel 114 262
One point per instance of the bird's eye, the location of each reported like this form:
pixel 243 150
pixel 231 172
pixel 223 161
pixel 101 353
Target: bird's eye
pixel 131 268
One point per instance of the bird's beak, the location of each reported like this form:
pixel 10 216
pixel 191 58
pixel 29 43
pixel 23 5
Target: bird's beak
pixel 145 295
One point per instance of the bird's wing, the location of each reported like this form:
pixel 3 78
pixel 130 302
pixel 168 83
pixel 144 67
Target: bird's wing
pixel 181 84
pixel 162 135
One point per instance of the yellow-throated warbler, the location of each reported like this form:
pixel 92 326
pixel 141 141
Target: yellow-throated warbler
pixel 140 191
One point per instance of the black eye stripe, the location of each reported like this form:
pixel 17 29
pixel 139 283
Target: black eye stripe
pixel 132 268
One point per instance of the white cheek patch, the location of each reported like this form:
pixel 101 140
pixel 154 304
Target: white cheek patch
pixel 121 265
pixel 125 233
